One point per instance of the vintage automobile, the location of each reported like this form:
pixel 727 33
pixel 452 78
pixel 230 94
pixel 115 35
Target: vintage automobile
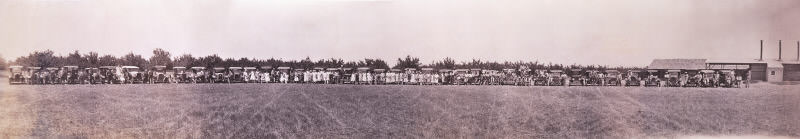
pixel 53 75
pixel 107 75
pixel 728 79
pixel 556 78
pixel 334 75
pixel 266 74
pixel 133 74
pixel 85 75
pixel 709 78
pixel 691 78
pixel 594 78
pixel 540 77
pixel 219 75
pixel 577 77
pixel 673 78
pixel 235 74
pixel 250 74
pixel 394 76
pixel 94 76
pixel 474 75
pixel 36 76
pixel 525 76
pixel 461 77
pixel 426 76
pixel 634 78
pixel 509 77
pixel 199 75
pixel 69 75
pixel 179 75
pixel 17 75
pixel 654 78
pixel 613 78
pixel 158 74
pixel 284 74
pixel 445 76
pixel 363 76
pixel 297 75
pixel 379 76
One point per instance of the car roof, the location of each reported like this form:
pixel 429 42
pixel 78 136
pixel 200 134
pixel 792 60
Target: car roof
pixel 198 67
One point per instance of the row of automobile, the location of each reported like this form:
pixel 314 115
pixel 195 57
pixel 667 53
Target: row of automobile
pixel 411 76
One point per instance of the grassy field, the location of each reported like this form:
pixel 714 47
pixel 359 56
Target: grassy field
pixel 347 111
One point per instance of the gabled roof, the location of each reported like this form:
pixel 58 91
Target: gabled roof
pixel 678 64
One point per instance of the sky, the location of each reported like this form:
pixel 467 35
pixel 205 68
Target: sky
pixel 615 32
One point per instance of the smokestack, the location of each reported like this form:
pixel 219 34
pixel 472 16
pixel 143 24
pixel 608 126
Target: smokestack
pixel 779 50
pixel 761 53
pixel 798 50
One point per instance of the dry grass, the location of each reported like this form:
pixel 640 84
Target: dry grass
pixel 348 111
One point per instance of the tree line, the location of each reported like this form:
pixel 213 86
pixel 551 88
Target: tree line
pixel 47 58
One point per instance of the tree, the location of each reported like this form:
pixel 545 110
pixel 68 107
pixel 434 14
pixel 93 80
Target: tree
pixel 38 59
pixel 74 59
pixel 161 58
pixel 408 62
pixel 134 60
pixel 92 59
pixel 209 61
pixel 3 63
pixel 185 60
pixel 108 60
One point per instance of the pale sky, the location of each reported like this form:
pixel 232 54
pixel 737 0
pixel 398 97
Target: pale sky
pixel 615 32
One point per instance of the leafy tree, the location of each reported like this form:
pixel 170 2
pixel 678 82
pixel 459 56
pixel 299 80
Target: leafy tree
pixel 134 60
pixel 408 62
pixel 3 64
pixel 161 58
pixel 108 60
pixel 185 60
pixel 92 59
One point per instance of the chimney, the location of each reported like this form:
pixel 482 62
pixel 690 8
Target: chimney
pixel 798 50
pixel 779 50
pixel 761 54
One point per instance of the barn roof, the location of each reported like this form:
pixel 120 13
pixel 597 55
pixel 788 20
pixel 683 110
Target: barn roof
pixel 678 64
